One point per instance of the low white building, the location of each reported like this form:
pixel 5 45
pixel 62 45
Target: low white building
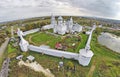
pixel 76 28
pixel 30 57
pixel 99 26
pixel 19 57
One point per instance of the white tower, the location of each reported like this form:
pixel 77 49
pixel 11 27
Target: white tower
pixel 71 21
pixel 86 54
pixel 60 20
pixel 53 22
pixel 70 25
pixel 63 28
pixel 23 43
pixel 19 32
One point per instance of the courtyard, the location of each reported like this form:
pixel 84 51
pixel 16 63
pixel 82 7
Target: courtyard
pixel 71 43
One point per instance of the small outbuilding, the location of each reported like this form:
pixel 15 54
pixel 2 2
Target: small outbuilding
pixel 58 46
pixel 88 32
pixel 19 57
pixel 61 63
pixel 30 58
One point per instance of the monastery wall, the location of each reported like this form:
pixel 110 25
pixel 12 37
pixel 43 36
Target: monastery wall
pixel 53 52
pixel 31 31
pixel 83 57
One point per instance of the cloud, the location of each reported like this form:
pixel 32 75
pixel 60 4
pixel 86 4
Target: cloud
pixel 17 9
pixel 104 8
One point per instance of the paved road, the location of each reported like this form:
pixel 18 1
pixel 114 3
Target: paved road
pixel 5 68
pixel 3 46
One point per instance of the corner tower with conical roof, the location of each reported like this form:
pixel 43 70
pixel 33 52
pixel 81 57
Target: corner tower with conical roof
pixel 23 43
pixel 70 26
pixel 54 23
pixel 60 20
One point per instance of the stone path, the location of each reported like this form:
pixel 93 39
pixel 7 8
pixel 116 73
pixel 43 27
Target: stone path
pixel 3 46
pixel 36 67
pixel 5 68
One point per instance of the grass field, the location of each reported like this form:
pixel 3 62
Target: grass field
pixel 41 38
pixel 44 39
pixel 106 62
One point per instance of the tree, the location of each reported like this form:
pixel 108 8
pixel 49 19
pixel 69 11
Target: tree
pixel 98 31
pixel 70 65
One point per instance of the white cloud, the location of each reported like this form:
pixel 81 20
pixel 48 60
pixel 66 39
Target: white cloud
pixel 17 9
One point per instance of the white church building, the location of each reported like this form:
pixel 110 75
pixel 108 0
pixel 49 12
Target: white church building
pixel 62 27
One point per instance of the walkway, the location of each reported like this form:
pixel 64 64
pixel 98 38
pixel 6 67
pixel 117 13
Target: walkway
pixel 5 68
pixel 36 67
pixel 91 71
pixel 3 46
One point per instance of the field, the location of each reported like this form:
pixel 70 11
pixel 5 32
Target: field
pixel 43 38
pixel 105 62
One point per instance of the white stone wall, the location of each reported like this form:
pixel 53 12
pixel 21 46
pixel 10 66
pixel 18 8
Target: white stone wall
pixel 87 47
pixel 47 27
pixel 31 31
pixel 54 52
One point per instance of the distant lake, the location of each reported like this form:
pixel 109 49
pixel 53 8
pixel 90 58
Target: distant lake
pixel 110 41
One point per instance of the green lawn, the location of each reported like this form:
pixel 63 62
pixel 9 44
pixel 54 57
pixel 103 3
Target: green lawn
pixel 11 48
pixel 47 39
pixel 82 44
pixel 40 38
pixel 107 61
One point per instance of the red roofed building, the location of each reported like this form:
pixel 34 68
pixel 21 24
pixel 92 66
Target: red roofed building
pixel 58 46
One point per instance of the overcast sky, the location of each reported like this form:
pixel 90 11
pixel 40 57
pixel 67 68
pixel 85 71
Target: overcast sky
pixel 19 9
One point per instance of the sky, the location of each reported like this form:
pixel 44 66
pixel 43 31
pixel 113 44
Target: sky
pixel 20 9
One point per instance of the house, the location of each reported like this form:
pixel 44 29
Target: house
pixel 58 46
pixel 30 58
pixel 19 57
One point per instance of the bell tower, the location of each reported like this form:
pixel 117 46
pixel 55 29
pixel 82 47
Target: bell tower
pixel 60 20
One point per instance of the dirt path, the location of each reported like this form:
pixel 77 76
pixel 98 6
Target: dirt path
pixel 30 37
pixel 5 68
pixel 90 73
pixel 36 67
pixel 31 40
pixel 3 46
